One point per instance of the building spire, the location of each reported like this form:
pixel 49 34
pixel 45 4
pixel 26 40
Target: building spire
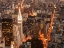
pixel 19 16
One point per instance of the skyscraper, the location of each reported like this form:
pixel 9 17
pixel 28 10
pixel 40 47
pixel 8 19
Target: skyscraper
pixel 7 30
pixel 20 29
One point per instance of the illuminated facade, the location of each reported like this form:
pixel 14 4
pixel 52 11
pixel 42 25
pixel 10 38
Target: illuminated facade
pixel 7 31
pixel 20 29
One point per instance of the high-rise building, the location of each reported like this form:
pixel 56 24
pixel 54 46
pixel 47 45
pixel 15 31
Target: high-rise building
pixel 7 30
pixel 20 28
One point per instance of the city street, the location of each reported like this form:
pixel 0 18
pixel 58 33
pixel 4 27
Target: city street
pixel 32 23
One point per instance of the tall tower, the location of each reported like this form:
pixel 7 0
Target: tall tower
pixel 19 17
pixel 20 29
pixel 7 30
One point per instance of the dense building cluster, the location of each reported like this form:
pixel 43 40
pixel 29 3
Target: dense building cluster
pixel 36 16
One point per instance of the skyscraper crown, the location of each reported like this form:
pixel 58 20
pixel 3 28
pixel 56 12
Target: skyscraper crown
pixel 19 16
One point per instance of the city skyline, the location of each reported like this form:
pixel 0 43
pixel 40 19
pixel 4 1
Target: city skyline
pixel 32 24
